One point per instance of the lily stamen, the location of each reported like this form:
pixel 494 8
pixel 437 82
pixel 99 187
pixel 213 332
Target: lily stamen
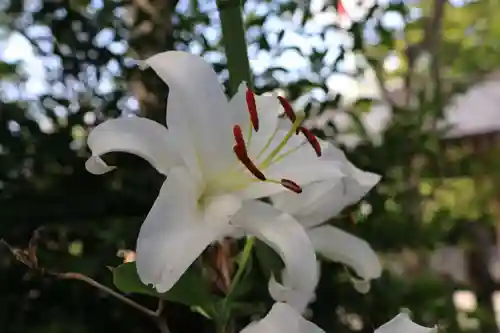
pixel 288 109
pixel 290 114
pixel 307 133
pixel 287 183
pixel 291 185
pixel 242 155
pixel 240 147
pixel 252 109
pixel 238 136
pixel 312 140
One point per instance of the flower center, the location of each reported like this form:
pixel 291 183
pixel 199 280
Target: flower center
pixel 277 154
pixel 235 178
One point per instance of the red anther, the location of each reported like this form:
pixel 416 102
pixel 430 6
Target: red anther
pixel 238 136
pixel 312 140
pixel 252 109
pixel 291 185
pixel 241 153
pixel 288 109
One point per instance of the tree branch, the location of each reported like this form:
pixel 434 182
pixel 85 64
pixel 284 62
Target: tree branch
pixel 29 258
pixel 430 43
pixel 109 291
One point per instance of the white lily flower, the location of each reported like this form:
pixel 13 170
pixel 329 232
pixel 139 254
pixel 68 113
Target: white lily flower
pixel 283 318
pixel 219 156
pixel 403 323
pixel 326 199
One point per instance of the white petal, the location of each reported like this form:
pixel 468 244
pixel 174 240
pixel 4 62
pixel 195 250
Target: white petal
pixel 340 246
pixel 361 286
pixel 282 318
pixel 135 135
pixel 298 299
pixel 323 200
pixel 197 108
pixel 287 237
pixel 176 232
pixel 403 323
pixel 95 165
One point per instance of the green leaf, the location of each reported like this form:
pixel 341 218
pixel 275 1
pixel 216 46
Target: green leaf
pixel 125 278
pixel 190 290
pixel 246 309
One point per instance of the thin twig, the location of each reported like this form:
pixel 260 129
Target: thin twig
pixel 95 284
pixel 155 315
pixel 162 325
pixel 161 306
pixel 28 257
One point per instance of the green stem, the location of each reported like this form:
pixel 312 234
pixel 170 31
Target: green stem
pixel 233 37
pixel 245 255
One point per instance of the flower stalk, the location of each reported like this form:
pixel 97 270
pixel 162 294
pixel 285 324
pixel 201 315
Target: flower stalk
pixel 233 38
pixel 245 255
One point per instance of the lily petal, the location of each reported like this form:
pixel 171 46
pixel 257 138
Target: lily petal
pixel 340 246
pixel 298 299
pixel 323 200
pixel 287 237
pixel 361 286
pixel 176 232
pixel 282 318
pixel 139 136
pixel 197 108
pixel 403 323
pixel 96 165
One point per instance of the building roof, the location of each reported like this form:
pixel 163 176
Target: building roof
pixel 475 112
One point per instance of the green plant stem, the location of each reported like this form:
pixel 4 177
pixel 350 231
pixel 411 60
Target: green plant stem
pixel 233 37
pixel 245 255
pixel 226 325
